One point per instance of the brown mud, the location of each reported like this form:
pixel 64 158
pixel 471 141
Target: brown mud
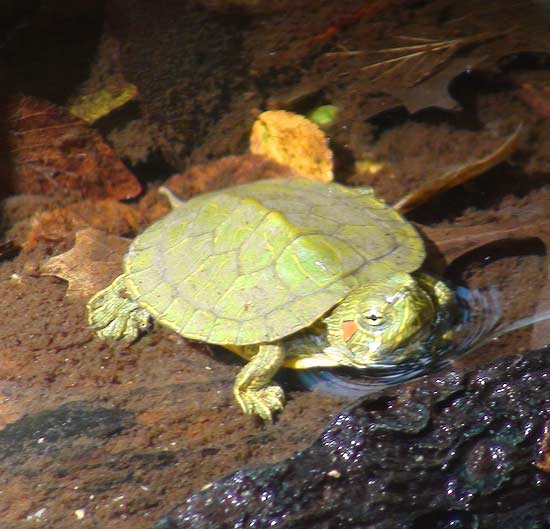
pixel 113 436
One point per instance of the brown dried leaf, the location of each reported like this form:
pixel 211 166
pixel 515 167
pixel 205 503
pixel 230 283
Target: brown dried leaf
pixel 414 64
pixel 108 215
pixel 93 262
pixel 459 175
pixel 451 243
pixel 51 149
pixel 418 75
pixel 434 90
pixel 293 140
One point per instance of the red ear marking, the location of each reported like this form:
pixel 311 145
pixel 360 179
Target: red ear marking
pixel 348 329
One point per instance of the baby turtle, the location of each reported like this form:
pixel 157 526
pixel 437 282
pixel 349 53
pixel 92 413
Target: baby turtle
pixel 293 273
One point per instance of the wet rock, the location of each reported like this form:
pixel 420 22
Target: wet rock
pixel 454 450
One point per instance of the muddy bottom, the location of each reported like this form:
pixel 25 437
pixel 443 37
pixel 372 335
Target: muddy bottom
pixel 97 435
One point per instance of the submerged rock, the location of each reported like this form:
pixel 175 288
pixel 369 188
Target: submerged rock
pixel 454 450
pixel 51 431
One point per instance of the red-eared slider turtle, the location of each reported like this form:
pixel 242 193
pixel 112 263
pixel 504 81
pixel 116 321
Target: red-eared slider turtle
pixel 293 273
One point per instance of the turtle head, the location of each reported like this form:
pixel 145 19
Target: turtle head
pixel 374 320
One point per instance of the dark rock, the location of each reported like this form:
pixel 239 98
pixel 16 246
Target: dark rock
pixel 52 430
pixel 454 450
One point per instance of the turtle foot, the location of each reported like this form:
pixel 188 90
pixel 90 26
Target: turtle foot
pixel 112 316
pixel 263 402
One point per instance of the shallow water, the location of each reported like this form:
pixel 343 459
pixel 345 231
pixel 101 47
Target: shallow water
pixel 113 436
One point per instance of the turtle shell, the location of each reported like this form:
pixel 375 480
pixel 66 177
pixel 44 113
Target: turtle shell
pixel 257 262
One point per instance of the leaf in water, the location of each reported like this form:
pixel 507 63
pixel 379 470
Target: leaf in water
pixel 51 149
pixel 293 140
pixel 410 66
pixel 93 262
pixel 434 91
pixel 451 243
pixel 459 175
pixel 59 224
pixel 419 74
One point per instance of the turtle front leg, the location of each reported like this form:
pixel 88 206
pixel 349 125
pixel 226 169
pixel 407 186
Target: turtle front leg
pixel 444 296
pixel 113 316
pixel 252 389
pixel 446 305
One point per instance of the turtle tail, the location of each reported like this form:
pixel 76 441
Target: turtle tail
pixel 113 316
pixel 174 201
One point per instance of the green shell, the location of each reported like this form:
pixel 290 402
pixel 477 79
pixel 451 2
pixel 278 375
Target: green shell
pixel 257 262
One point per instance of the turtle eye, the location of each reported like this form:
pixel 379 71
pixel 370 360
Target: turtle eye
pixel 373 318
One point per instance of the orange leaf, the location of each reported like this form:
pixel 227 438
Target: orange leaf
pixel 293 140
pixel 51 149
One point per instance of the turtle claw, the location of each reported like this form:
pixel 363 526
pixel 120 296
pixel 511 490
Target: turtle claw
pixel 262 402
pixel 112 316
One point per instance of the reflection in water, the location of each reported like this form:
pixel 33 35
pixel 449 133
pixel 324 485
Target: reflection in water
pixel 478 325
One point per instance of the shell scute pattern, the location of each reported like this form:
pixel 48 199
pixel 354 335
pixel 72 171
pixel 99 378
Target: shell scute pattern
pixel 291 273
pixel 257 262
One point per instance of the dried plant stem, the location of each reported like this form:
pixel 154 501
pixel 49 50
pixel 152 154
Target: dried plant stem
pixel 414 51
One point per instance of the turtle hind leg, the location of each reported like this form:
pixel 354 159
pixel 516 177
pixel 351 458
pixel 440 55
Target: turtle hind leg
pixel 252 388
pixel 113 316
